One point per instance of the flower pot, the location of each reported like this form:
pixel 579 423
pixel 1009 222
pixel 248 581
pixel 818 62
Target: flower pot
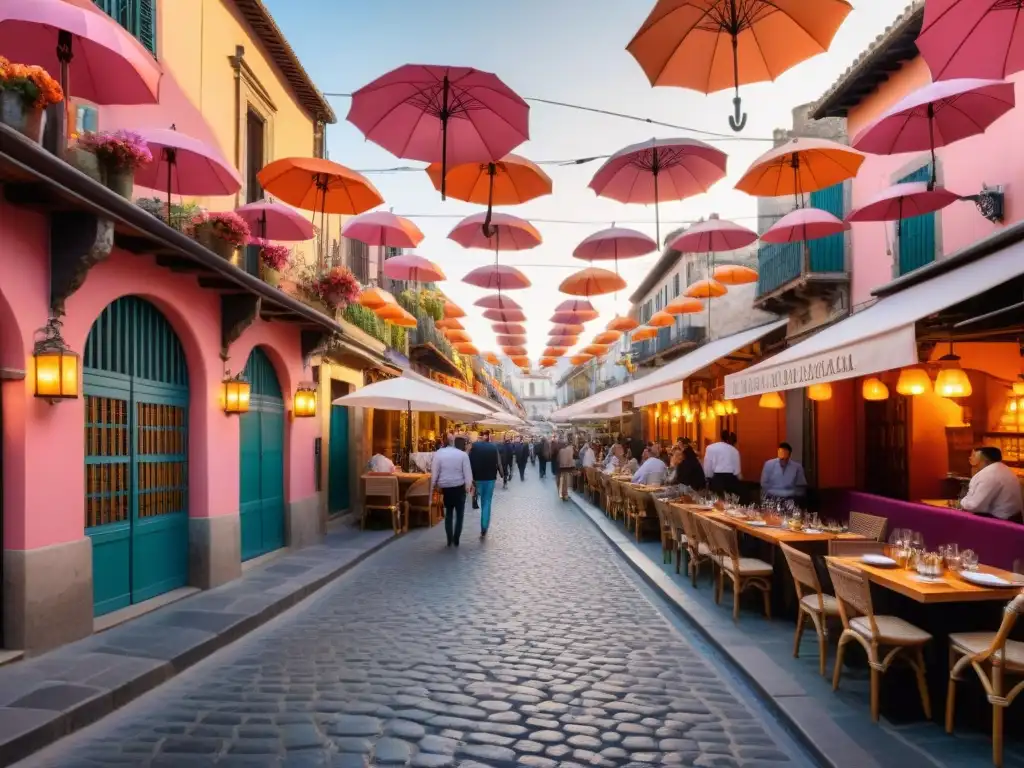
pixel 86 162
pixel 119 180
pixel 270 276
pixel 224 249
pixel 22 117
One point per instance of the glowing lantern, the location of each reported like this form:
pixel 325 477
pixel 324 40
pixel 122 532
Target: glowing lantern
pixel 913 382
pixel 819 392
pixel 56 366
pixel 234 394
pixel 952 381
pixel 874 389
pixel 771 400
pixel 304 403
pixel 719 408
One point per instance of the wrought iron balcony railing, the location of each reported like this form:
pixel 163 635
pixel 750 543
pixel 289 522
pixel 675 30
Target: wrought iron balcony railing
pixel 667 340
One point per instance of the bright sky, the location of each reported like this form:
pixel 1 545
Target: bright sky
pixel 565 50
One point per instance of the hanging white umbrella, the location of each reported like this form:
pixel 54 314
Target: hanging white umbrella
pixel 501 419
pixel 404 393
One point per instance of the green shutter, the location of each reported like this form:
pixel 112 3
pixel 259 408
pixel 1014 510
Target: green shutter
pixel 917 234
pixel 828 254
pixel 137 16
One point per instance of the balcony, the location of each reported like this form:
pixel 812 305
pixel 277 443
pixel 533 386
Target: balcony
pixel 670 342
pixel 429 347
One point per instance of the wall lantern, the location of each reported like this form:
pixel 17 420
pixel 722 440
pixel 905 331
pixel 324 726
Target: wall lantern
pixel 819 392
pixel 771 400
pixel 56 366
pixel 914 382
pixel 874 389
pixel 304 405
pixel 730 408
pixel 234 394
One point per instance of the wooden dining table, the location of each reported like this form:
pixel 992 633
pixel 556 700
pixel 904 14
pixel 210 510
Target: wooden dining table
pixel 952 588
pixel 771 534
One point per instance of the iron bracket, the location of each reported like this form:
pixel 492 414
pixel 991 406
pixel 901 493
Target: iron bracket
pixel 990 202
pixel 78 242
pixel 238 311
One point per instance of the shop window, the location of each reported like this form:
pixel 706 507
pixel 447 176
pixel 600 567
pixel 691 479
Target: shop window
pixel 917 234
pixel 675 285
pixel 137 16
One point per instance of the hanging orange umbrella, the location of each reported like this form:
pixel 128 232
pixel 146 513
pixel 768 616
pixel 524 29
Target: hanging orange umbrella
pixel 684 305
pixel 457 337
pixel 555 351
pixel 712 45
pixel 706 289
pixel 547 362
pixel 453 310
pixel 595 349
pixel 511 339
pixel 515 350
pixel 734 274
pixel 315 184
pixel 607 337
pixel 592 281
pixel 623 324
pixel 644 332
pixel 374 298
pixel 661 319
pixel 450 324
pixel 466 348
pixel 566 329
pixel 395 314
pixel 800 166
pixel 491 358
pixel 521 360
pixel 580 358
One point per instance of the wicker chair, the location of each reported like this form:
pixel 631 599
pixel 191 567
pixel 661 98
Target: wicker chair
pixel 854 548
pixel 992 655
pixel 616 502
pixel 868 526
pixel 744 572
pixel 697 548
pixel 418 501
pixel 673 540
pixel 381 493
pixel 815 603
pixel 875 633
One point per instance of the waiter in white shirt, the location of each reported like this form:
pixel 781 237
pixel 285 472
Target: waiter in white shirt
pixel 994 490
pixel 722 466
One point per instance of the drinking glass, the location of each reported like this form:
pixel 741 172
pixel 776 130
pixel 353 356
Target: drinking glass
pixel 917 542
pixel 969 560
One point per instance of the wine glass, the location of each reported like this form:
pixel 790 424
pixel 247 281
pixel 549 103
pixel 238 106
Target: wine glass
pixel 917 542
pixel 969 560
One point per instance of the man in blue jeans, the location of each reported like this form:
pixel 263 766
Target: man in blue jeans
pixel 485 459
pixel 450 471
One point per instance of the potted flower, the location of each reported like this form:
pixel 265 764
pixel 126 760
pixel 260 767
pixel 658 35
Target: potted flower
pixel 120 154
pixel 24 93
pixel 273 261
pixel 222 232
pixel 338 287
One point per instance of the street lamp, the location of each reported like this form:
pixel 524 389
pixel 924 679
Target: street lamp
pixel 234 394
pixel 56 366
pixel 304 404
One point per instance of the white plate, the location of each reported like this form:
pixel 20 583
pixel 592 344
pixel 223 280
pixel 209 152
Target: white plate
pixel 812 530
pixel 928 579
pixel 982 579
pixel 757 523
pixel 878 560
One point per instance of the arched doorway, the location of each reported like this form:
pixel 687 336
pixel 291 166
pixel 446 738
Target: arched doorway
pixel 261 465
pixel 135 382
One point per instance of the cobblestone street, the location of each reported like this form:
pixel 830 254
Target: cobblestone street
pixel 536 646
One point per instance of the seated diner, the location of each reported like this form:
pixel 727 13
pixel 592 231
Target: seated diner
pixel 994 490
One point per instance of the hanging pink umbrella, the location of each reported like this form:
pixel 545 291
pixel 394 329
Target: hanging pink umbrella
pixel 273 221
pixel 713 235
pixel 496 301
pixel 582 308
pixel 613 244
pixel 513 329
pixel 497 277
pixel 508 233
pixel 97 60
pixel 972 38
pixel 569 317
pixel 510 340
pixel 451 115
pixel 567 329
pixel 382 228
pixel 185 166
pixel 505 315
pixel 903 201
pixel 657 170
pixel 804 224
pixel 414 268
pixel 937 115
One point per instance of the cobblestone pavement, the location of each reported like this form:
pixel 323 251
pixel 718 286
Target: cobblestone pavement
pixel 535 646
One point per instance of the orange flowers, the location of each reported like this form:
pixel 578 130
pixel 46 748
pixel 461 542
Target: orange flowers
pixel 34 84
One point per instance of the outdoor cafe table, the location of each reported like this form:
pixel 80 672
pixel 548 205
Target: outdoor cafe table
pixel 952 588
pixel 405 480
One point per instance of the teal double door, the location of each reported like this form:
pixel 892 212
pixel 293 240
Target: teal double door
pixel 261 466
pixel 338 492
pixel 135 383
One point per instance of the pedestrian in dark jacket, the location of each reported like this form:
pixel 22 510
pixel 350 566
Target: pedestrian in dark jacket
pixel 522 456
pixel 507 459
pixel 485 460
pixel 543 455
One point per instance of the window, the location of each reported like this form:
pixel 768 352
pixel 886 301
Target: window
pixel 255 137
pixel 390 252
pixel 137 16
pixel 359 260
pixel 675 285
pixel 917 234
pixel 533 390
pixel 657 302
pixel 690 268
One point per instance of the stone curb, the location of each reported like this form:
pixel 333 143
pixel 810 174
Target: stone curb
pixel 811 724
pixel 49 697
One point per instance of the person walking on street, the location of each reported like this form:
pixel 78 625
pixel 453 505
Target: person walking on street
pixel 543 456
pixel 522 456
pixel 566 465
pixel 507 459
pixel 451 472
pixel 485 460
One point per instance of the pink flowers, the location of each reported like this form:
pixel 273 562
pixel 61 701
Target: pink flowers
pixel 338 287
pixel 226 226
pixel 122 150
pixel 274 257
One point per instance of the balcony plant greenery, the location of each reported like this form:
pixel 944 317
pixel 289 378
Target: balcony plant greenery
pixel 25 92
pixel 274 260
pixel 180 214
pixel 223 232
pixel 423 303
pixel 119 154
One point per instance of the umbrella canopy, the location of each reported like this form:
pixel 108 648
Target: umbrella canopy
pixel 624 324
pixel 449 323
pixel 711 45
pixel 507 232
pixel 510 339
pixel 804 224
pixel 732 274
pixel 505 315
pixel 382 228
pixel 315 184
pixel 582 308
pixel 466 348
pixel 491 358
pixel 183 165
pixel 397 315
pixel 704 289
pixel 597 350
pixel 713 235
pixel 613 244
pixel 510 328
pixel 450 115
pixel 580 358
pixel 658 170
pixel 412 267
pixel 607 337
pixel 644 333
pixel 903 201
pixel 453 310
pixel 104 64
pixel 570 318
pixel 554 351
pixel 547 362
pixel 564 340
pixel 456 336
pixel 521 360
pixel 592 281
pixel 496 301
pixel 375 298
pixel 683 305
pixel 404 393
pixel 513 180
pixel 514 350
pixel 273 221
pixel 661 319
pixel 799 166
pixel 972 38
pixel 567 329
pixel 497 277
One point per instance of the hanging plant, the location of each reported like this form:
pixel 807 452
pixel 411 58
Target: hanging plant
pixel 338 287
pixel 273 261
pixel 222 232
pixel 120 154
pixel 25 91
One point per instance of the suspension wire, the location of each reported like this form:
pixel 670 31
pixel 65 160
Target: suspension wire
pixel 581 222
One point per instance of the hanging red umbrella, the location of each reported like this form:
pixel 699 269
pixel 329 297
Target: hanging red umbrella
pixel 505 315
pixel 804 224
pixel 508 233
pixel 451 115
pixel 613 244
pixel 382 228
pixel 903 201
pixel 937 115
pixel 183 165
pixel 582 308
pixel 569 317
pixel 658 170
pixel 496 301
pixel 497 277
pixel 510 340
pixel 566 329
pixel 972 38
pixel 511 328
pixel 413 268
pixel 273 221
pixel 713 235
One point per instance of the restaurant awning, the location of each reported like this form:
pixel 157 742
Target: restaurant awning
pixel 879 338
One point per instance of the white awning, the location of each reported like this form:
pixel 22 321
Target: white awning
pixel 879 338
pixel 658 394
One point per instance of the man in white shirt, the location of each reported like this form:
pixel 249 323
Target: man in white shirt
pixel 452 473
pixel 588 457
pixel 614 460
pixel 381 463
pixel 651 472
pixel 994 491
pixel 722 465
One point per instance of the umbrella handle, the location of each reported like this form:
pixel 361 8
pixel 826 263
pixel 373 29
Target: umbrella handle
pixel 738 119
